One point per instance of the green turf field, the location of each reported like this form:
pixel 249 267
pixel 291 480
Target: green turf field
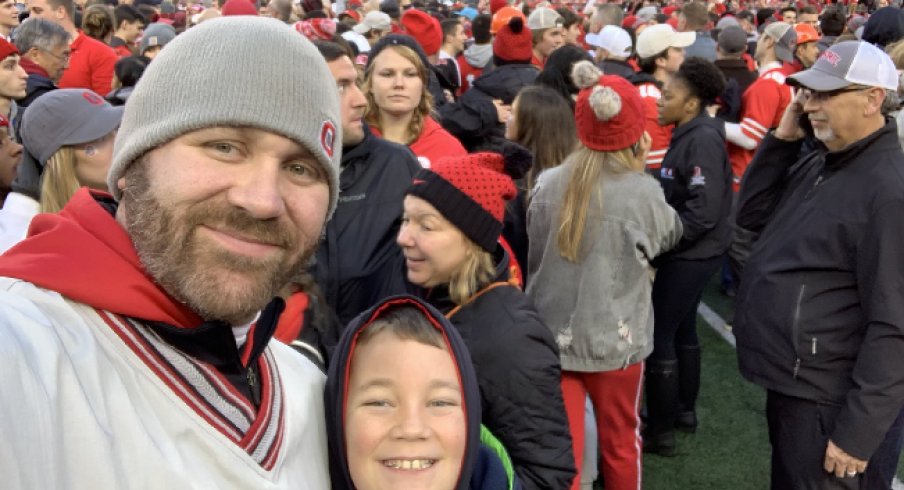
pixel 731 447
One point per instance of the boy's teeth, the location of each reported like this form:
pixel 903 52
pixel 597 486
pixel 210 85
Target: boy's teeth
pixel 408 464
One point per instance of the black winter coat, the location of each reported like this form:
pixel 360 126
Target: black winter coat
pixel 696 178
pixel 518 370
pixel 473 119
pixel 820 311
pixel 35 86
pixel 357 262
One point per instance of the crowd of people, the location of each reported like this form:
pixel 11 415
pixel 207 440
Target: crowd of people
pixel 423 244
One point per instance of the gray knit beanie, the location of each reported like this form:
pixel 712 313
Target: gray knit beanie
pixel 234 71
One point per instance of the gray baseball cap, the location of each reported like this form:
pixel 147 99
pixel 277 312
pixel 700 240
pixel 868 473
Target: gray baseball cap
pixel 848 63
pixel 785 39
pixel 732 40
pixel 156 34
pixel 66 117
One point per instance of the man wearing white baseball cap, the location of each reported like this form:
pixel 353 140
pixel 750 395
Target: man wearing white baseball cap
pixel 660 51
pixel 820 312
pixel 613 48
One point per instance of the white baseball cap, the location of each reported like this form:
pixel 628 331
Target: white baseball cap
pixel 613 39
pixel 374 20
pixel 657 38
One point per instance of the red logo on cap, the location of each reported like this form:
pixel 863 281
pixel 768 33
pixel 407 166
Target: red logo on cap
pixel 93 98
pixel 832 58
pixel 327 137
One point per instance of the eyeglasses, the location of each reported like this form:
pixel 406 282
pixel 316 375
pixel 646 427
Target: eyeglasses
pixel 64 58
pixel 822 96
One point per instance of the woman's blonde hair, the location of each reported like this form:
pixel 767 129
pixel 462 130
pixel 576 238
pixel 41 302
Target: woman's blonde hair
pixel 58 181
pixel 476 271
pixel 589 166
pixel 423 109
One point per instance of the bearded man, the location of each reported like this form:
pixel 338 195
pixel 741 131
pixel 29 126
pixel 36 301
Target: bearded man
pixel 135 327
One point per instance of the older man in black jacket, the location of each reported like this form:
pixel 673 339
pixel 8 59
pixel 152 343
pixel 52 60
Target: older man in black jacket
pixel 820 321
pixel 359 246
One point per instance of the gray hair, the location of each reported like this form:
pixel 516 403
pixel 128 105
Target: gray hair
pixel 609 14
pixel 39 33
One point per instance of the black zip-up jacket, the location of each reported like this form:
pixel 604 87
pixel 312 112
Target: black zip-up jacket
pixel 820 311
pixel 36 85
pixel 696 178
pixel 519 373
pixel 473 119
pixel 356 262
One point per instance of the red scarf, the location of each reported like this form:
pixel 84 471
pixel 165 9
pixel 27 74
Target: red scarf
pixel 84 254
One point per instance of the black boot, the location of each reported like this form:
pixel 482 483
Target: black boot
pixel 688 387
pixel 662 405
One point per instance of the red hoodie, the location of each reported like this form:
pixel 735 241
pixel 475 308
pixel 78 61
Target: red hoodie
pixel 433 143
pixel 84 254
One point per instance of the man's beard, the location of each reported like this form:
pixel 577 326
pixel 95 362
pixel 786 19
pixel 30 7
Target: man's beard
pixel 824 134
pixel 215 283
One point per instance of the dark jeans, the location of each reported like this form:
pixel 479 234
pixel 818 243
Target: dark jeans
pixel 677 290
pixel 799 433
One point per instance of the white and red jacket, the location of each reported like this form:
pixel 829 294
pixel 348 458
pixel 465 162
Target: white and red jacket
pixel 91 397
pixel 763 104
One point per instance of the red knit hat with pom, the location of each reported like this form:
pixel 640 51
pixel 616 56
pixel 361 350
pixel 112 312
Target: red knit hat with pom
pixel 495 5
pixel 424 28
pixel 608 112
pixel 514 42
pixel 471 191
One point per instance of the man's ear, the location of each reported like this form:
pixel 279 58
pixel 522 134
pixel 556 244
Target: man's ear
pixel 31 53
pixel 875 99
pixel 121 183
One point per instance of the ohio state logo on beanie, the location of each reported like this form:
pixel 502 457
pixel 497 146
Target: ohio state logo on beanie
pixel 327 137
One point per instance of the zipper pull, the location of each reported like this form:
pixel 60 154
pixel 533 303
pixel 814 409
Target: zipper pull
pixel 252 382
pixel 815 185
pixel 796 368
pixel 813 347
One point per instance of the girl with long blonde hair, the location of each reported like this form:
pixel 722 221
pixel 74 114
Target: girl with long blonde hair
pixel 70 132
pixel 595 223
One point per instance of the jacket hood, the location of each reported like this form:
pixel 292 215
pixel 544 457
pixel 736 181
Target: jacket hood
pixel 504 82
pixel 337 386
pixel 696 124
pixel 478 55
pixel 100 266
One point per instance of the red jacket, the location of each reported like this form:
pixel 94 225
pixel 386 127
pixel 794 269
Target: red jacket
pixel 468 73
pixel 433 143
pixel 121 48
pixel 91 66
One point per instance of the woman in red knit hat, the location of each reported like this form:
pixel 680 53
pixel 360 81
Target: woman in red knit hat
pixel 449 237
pixel 399 105
pixel 595 223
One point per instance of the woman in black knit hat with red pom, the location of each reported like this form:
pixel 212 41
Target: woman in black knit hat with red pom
pixel 449 236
